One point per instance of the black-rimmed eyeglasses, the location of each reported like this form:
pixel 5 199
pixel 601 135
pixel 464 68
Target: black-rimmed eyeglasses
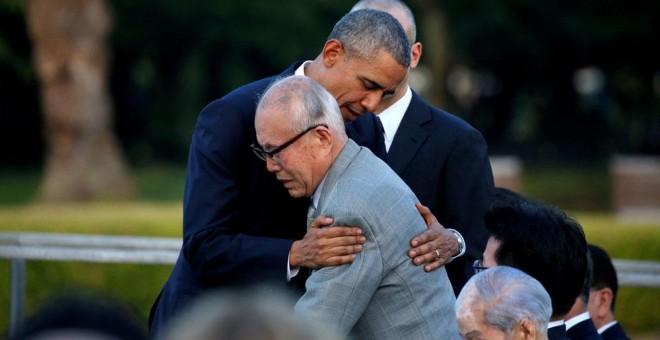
pixel 478 266
pixel 264 155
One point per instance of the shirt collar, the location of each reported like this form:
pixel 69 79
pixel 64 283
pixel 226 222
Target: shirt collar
pixel 577 319
pixel 316 196
pixel 392 116
pixel 300 71
pixel 555 323
pixel 606 326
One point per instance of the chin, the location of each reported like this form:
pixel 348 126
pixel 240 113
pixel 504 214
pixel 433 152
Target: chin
pixel 348 115
pixel 296 194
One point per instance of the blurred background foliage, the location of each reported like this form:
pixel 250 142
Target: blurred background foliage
pixel 562 85
pixel 547 81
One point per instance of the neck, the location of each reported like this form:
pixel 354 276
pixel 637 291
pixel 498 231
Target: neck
pixel 315 69
pixel 578 308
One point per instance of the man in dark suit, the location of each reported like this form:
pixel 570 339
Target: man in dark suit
pixel 442 158
pixel 579 325
pixel 543 242
pixel 602 298
pixel 240 227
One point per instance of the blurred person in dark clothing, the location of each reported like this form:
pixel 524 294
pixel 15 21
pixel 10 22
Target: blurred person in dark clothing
pixel 579 325
pixel 602 298
pixel 543 242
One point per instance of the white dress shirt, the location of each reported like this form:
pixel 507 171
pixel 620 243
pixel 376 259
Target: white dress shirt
pixel 392 116
pixel 606 326
pixel 577 319
pixel 555 323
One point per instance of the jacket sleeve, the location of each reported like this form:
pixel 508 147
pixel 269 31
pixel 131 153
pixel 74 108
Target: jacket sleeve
pixel 468 192
pixel 216 243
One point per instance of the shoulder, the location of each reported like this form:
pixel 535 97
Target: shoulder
pixel 439 124
pixel 372 180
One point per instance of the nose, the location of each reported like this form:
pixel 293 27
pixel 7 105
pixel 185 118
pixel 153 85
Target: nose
pixel 371 101
pixel 271 165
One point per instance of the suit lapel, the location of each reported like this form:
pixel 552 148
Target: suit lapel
pixel 410 135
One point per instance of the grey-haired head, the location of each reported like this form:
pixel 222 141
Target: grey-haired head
pixel 364 32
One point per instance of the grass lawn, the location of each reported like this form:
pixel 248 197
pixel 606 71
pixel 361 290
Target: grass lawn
pixel 158 213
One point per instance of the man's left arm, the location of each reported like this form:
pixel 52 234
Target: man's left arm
pixel 468 191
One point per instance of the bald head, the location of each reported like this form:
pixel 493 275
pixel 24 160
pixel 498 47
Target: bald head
pixel 300 132
pixel 299 102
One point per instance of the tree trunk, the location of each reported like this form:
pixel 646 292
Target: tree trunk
pixel 84 161
pixel 436 56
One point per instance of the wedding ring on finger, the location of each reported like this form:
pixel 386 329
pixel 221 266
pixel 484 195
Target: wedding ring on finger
pixel 437 254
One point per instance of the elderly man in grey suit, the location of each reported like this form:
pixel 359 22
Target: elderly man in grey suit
pixel 380 295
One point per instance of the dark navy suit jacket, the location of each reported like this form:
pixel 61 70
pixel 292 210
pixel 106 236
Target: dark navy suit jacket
pixel 615 332
pixel 445 162
pixel 584 330
pixel 557 333
pixel 238 221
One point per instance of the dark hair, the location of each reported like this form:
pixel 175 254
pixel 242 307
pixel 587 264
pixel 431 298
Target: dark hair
pixel 604 274
pixel 364 32
pixel 588 278
pixel 543 242
pixel 84 314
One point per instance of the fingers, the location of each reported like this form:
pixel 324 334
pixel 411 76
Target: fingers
pixel 321 222
pixel 339 260
pixel 433 248
pixel 327 247
pixel 427 236
pixel 429 218
pixel 333 232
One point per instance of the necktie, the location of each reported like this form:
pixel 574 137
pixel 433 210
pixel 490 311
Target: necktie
pixel 384 140
pixel 311 213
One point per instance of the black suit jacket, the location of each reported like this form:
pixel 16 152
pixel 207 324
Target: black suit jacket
pixel 445 162
pixel 615 332
pixel 557 333
pixel 238 221
pixel 584 330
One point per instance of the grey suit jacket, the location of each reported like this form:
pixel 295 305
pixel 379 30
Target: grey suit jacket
pixel 381 295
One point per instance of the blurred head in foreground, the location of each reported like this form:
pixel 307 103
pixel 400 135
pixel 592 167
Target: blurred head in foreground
pixel 245 315
pixel 503 303
pixel 83 316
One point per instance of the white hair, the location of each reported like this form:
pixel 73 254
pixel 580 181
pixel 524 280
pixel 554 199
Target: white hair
pixel 507 296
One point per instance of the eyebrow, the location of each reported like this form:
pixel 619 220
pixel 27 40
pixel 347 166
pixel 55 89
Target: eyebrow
pixel 473 335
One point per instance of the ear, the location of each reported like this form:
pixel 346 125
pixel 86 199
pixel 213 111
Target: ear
pixel 604 301
pixel 526 329
pixel 333 51
pixel 324 137
pixel 415 54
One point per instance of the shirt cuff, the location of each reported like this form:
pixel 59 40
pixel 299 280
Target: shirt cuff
pixel 461 244
pixel 291 272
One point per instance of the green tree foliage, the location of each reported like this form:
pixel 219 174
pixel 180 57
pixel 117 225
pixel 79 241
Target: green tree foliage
pixel 535 47
pixel 174 57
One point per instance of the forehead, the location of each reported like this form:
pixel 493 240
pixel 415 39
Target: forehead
pixel 270 123
pixel 381 67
